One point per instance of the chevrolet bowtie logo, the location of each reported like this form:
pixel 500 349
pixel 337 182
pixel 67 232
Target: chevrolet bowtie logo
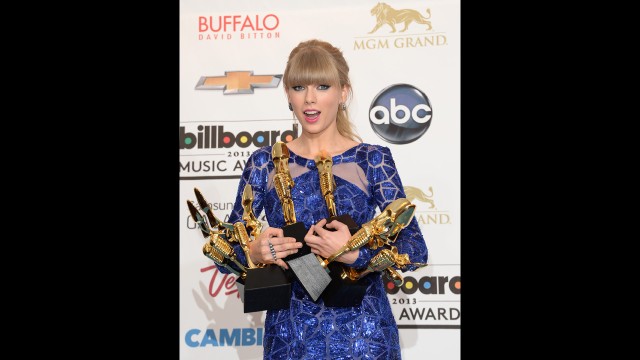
pixel 238 82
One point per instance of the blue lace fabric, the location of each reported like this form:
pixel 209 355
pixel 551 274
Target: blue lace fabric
pixel 308 329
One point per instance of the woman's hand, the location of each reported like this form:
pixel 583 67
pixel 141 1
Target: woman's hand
pixel 327 242
pixel 260 249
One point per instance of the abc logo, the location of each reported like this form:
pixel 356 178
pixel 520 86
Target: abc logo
pixel 400 114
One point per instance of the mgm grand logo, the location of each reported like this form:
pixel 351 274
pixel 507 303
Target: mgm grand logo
pixel 428 216
pixel 414 193
pixel 387 16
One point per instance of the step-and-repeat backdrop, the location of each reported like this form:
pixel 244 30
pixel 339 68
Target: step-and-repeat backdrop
pixel 404 59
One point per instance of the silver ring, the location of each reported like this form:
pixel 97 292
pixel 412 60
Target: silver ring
pixel 273 252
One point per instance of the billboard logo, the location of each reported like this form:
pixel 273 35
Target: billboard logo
pixel 428 285
pixel 386 15
pixel 211 151
pixel 400 114
pixel 238 82
pixel 215 137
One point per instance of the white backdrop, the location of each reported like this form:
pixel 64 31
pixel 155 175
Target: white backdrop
pixel 226 40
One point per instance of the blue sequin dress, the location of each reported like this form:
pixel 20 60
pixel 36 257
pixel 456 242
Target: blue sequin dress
pixel 366 180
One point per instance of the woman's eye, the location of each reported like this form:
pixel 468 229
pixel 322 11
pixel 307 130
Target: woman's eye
pixel 298 88
pixel 324 87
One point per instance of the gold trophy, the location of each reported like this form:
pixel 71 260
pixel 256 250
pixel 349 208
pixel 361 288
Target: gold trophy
pixel 324 163
pixel 304 259
pixel 381 261
pixel 228 232
pixel 401 261
pixel 283 181
pixel 345 288
pixel 215 248
pixel 241 235
pixel 340 291
pixel 382 229
pixel 210 251
pixel 266 287
pixel 218 245
pixel 226 229
pixel 328 187
pixel 200 221
pixel 218 249
pixel 384 262
pixel 252 223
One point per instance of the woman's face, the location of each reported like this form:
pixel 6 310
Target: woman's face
pixel 316 105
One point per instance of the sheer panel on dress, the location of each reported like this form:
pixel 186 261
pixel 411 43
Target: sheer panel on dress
pixel 294 169
pixel 352 173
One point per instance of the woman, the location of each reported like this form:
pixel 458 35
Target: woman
pixel 317 87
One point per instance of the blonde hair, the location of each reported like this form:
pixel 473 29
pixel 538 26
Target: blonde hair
pixel 318 62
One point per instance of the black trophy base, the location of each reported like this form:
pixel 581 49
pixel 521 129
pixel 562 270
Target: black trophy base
pixel 345 219
pixel 343 293
pixel 297 231
pixel 266 288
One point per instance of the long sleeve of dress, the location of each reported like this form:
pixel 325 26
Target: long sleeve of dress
pixel 385 183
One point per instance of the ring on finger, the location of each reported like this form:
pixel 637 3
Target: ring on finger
pixel 273 252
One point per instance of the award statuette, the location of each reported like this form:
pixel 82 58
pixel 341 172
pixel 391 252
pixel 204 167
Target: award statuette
pixel 395 217
pixel 215 224
pixel 400 261
pixel 382 229
pixel 217 249
pixel 341 291
pixel 199 219
pixel 209 251
pixel 252 223
pixel 383 261
pixel 328 186
pixel 228 232
pixel 266 287
pixel 313 282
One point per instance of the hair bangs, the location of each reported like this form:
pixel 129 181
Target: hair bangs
pixel 312 67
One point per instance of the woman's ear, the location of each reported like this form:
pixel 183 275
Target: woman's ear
pixel 345 93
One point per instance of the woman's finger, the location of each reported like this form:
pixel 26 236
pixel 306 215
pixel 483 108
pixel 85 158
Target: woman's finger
pixel 275 232
pixel 322 232
pixel 282 264
pixel 337 225
pixel 310 238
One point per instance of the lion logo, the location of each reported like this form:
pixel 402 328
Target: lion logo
pixel 385 14
pixel 415 193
